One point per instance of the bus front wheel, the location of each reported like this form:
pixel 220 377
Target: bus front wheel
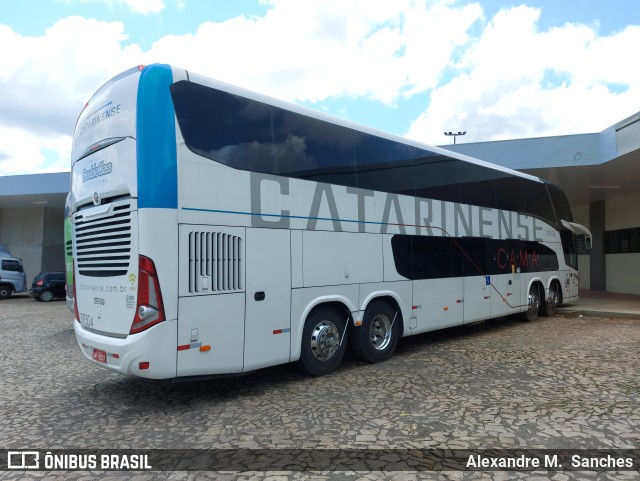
pixel 377 337
pixel 323 341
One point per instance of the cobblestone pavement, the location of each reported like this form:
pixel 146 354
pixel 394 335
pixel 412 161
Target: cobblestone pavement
pixel 563 382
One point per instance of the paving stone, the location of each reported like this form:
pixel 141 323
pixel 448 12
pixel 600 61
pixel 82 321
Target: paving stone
pixel 557 383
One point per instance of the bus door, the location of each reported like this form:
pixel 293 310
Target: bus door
pixel 506 278
pixel 477 282
pixel 268 305
pixel 438 289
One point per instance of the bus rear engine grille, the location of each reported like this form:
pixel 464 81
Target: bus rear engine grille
pixel 103 246
pixel 215 262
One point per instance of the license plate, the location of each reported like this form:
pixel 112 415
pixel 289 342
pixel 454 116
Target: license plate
pixel 99 355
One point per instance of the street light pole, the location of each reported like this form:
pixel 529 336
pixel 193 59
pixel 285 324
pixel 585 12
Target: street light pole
pixel 454 135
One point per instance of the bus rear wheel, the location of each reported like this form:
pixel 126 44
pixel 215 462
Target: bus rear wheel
pixel 533 304
pixel 376 339
pixel 323 341
pixel 553 300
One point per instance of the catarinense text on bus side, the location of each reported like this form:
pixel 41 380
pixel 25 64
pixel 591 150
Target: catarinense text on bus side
pixel 408 215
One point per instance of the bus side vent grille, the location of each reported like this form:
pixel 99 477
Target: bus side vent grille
pixel 215 262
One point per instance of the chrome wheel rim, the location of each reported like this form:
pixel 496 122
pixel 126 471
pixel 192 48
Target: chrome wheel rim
pixel 553 297
pixel 46 296
pixel 325 340
pixel 534 301
pixel 380 332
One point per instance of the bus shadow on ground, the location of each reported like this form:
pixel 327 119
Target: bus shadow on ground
pixel 139 393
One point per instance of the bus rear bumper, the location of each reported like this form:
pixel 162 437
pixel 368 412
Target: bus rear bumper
pixel 151 353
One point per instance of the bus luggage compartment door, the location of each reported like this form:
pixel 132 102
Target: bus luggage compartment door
pixel 268 314
pixel 211 304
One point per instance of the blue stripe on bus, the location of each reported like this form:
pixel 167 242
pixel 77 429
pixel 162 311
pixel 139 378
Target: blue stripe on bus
pixel 304 217
pixel 156 140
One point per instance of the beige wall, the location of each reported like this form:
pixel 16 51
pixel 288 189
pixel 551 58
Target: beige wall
pixel 21 233
pixel 623 212
pixel 53 241
pixel 623 270
pixel 623 273
pixel 36 235
pixel 581 214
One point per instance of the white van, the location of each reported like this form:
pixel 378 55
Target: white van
pixel 12 275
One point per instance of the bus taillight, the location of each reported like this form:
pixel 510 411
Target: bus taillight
pixel 150 310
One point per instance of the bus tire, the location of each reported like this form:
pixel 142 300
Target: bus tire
pixel 323 341
pixel 533 304
pixel 376 339
pixel 553 300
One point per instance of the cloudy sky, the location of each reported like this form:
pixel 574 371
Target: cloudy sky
pixel 496 69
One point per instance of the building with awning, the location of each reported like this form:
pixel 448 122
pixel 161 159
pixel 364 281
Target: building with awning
pixel 600 173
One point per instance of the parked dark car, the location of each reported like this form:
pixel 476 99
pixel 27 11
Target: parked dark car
pixel 48 285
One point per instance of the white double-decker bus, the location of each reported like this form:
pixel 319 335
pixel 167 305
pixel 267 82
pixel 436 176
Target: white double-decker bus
pixel 217 231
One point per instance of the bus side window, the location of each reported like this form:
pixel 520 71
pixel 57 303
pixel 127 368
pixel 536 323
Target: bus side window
pixel 383 164
pixel 436 176
pixel 312 149
pixel 220 126
pixel 508 192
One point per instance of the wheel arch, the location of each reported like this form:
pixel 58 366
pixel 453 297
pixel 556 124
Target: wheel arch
pixel 556 280
pixel 392 301
pixel 10 287
pixel 539 283
pixel 390 297
pixel 340 303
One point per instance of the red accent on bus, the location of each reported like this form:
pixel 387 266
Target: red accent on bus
pixel 143 366
pixel 149 296
pixel 184 347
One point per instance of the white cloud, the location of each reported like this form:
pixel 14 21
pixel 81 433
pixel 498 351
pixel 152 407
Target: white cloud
pixel 509 79
pixel 316 49
pixel 22 152
pixel 136 6
pixel 145 6
pixel 517 81
pixel 44 82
